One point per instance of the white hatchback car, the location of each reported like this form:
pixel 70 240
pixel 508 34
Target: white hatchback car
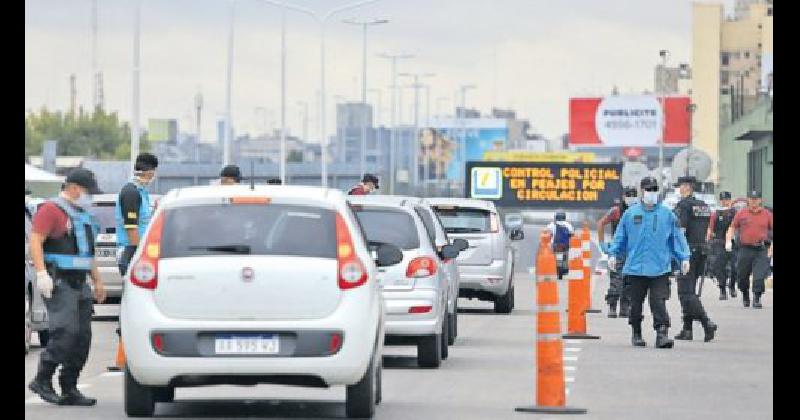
pixel 238 285
pixel 417 291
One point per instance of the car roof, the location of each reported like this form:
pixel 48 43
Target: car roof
pixel 461 202
pixel 113 197
pixel 384 200
pixel 281 191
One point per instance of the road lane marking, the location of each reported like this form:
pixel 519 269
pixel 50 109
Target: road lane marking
pixel 106 374
pixel 571 358
pixel 573 341
pixel 570 368
pixel 569 379
pixel 573 349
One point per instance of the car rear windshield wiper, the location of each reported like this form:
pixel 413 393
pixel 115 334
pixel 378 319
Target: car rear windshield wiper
pixel 462 230
pixel 234 249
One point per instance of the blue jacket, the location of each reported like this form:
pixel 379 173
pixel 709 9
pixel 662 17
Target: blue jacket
pixel 649 239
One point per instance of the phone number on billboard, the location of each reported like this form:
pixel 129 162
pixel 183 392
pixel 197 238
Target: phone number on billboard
pixel 626 124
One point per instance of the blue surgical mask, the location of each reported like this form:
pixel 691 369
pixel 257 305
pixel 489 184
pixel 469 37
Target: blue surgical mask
pixel 650 197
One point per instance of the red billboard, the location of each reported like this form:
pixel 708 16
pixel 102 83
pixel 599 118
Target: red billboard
pixel 628 121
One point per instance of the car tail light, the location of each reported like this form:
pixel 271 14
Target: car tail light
pixel 158 342
pixel 420 309
pixel 494 225
pixel 336 343
pixel 144 272
pixel 421 267
pixel 351 271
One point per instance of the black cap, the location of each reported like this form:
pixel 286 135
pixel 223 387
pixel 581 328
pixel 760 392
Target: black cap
pixel 629 192
pixel 725 195
pixel 145 162
pixel 370 178
pixel 274 181
pixel 754 194
pixel 648 182
pixel 231 171
pixel 561 216
pixel 687 180
pixel 84 178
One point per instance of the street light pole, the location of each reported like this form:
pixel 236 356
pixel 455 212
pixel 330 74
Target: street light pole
pixel 416 86
pixel 463 150
pixel 664 54
pixel 226 153
pixel 135 106
pixel 364 24
pixel 283 96
pixel 392 134
pixel 379 107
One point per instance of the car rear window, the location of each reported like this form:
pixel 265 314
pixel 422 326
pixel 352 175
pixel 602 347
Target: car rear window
pixel 249 229
pixel 388 226
pixel 105 216
pixel 464 220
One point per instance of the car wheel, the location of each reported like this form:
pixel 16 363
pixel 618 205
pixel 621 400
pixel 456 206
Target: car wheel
pixel 505 304
pixel 429 351
pixel 28 328
pixel 361 396
pixel 452 329
pixel 44 337
pixel 445 338
pixel 139 399
pixel 379 383
pixel 164 394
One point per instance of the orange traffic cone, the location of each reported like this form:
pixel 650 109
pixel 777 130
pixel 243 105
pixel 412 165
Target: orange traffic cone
pixel 576 312
pixel 586 243
pixel 119 361
pixel 550 391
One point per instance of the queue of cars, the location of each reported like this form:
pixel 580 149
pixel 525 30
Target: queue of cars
pixel 298 286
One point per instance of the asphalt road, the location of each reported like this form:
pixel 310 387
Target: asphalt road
pixel 490 371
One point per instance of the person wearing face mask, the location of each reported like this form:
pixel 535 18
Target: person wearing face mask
pixel 717 228
pixel 693 215
pixel 617 287
pixel 133 209
pixel 754 225
pixel 649 236
pixel 62 250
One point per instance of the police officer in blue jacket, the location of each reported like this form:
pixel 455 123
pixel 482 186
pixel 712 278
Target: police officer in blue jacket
pixel 649 235
pixel 133 209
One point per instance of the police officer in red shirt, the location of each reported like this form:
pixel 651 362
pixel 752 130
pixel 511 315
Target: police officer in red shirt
pixel 368 184
pixel 754 224
pixel 62 249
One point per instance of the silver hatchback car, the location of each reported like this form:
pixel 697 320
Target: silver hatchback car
pixel 487 266
pixel 416 291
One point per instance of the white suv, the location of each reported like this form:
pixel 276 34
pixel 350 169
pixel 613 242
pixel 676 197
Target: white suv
pixel 240 286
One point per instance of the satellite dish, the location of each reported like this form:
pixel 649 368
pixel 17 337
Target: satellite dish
pixel 633 172
pixel 698 162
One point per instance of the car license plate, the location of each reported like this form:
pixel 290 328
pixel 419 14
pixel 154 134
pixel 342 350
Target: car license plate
pixel 249 344
pixel 106 253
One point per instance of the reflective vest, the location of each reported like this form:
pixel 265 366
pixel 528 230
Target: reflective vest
pixel 82 223
pixel 144 217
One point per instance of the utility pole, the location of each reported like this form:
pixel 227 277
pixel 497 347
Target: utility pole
pixel 135 106
pixel 226 153
pixel 392 134
pixel 73 95
pixel 416 86
pixel 664 54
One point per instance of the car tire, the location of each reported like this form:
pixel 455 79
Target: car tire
pixel 505 304
pixel 44 337
pixel 452 329
pixel 28 322
pixel 164 394
pixel 379 383
pixel 139 399
pixel 445 338
pixel 429 351
pixel 361 396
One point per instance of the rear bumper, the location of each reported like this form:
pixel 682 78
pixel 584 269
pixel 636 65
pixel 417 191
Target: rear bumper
pixel 488 278
pixel 401 323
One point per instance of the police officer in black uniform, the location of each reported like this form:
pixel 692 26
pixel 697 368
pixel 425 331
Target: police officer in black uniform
pixel 618 287
pixel 693 215
pixel 722 267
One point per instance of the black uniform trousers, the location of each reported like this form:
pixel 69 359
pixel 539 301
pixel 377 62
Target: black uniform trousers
pixel 691 307
pixel 618 286
pixel 658 288
pixel 724 265
pixel 69 310
pixel 752 260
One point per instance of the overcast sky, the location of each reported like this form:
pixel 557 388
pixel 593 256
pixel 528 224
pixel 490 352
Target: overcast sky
pixel 528 55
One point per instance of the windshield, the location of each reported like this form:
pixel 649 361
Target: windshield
pixel 463 220
pixel 105 216
pixel 389 226
pixel 249 229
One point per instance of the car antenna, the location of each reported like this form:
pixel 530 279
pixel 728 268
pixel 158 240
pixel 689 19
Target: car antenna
pixel 252 177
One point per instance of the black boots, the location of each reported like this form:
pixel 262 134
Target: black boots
pixel 686 332
pixel 42 384
pixel 71 396
pixel 662 340
pixel 624 309
pixel 637 339
pixel 612 310
pixel 722 294
pixel 757 301
pixel 709 328
pixel 746 299
pixel 733 291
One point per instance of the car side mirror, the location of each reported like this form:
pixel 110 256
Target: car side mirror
pixel 450 251
pixel 461 244
pixel 388 254
pixel 517 235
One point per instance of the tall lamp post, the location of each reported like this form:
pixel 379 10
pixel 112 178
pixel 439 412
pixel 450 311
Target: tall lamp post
pixel 364 24
pixel 416 86
pixel 463 90
pixel 392 155
pixel 135 97
pixel 664 55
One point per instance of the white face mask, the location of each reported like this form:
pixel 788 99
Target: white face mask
pixel 650 197
pixel 629 201
pixel 84 201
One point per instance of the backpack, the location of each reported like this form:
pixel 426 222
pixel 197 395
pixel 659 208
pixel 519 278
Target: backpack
pixel 561 241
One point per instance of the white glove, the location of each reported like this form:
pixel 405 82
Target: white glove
pixel 729 246
pixel 612 263
pixel 685 268
pixel 44 283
